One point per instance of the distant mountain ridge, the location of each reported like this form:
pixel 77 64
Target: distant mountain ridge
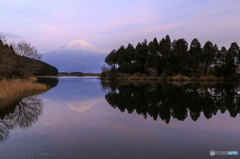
pixel 76 56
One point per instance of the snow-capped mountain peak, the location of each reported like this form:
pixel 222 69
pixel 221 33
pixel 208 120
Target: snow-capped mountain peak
pixel 77 55
pixel 80 45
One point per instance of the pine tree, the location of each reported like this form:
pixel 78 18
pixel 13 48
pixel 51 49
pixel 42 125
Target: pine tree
pixel 153 58
pixel 137 58
pixel 164 48
pixel 121 56
pixel 181 55
pixel 234 51
pixel 111 58
pixel 194 54
pixel 232 58
pixel 220 61
pixel 141 53
pixel 130 58
pixel 207 56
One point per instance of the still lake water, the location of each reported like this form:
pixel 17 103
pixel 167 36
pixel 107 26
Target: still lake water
pixel 83 117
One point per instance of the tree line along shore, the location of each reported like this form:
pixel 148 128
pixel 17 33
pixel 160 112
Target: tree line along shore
pixel 172 60
pixel 18 63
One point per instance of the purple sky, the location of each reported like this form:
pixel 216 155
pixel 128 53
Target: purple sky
pixel 108 24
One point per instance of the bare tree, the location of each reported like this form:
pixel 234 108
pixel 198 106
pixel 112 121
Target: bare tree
pixel 105 70
pixel 28 57
pixel 25 49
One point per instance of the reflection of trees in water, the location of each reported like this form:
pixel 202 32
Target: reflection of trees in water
pixel 5 127
pixel 22 113
pixel 169 100
pixel 51 82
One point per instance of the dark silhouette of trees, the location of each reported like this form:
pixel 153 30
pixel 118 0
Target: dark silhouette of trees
pixel 153 59
pixel 207 56
pixel 111 58
pixel 171 58
pixel 180 50
pixel 8 61
pixel 194 54
pixel 165 45
pixel 41 68
pixel 141 54
pixel 220 62
pixel 232 57
pixel 122 59
pixel 139 59
pixel 130 58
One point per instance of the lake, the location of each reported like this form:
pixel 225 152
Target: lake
pixel 84 117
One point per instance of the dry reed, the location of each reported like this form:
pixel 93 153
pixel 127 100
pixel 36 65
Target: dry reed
pixel 15 87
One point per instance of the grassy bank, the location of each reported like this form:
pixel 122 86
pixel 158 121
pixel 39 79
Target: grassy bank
pixel 203 78
pixel 169 78
pixel 16 87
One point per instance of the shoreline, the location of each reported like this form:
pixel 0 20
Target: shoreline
pixel 171 78
pixel 97 75
pixel 177 78
pixel 45 76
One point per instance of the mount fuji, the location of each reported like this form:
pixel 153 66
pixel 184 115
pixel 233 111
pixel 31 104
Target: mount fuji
pixel 76 56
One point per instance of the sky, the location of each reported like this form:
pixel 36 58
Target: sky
pixel 108 24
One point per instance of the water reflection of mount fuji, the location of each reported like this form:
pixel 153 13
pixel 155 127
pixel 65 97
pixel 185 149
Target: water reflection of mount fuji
pixel 176 101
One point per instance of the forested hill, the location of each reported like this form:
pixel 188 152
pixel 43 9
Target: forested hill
pixel 43 68
pixel 13 65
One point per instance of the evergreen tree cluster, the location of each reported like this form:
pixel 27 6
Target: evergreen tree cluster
pixel 13 65
pixel 44 70
pixel 174 57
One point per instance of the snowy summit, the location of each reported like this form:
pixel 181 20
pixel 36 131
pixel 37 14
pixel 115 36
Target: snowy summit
pixel 80 45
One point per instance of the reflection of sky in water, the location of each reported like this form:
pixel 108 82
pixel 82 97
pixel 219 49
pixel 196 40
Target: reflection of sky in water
pixel 103 132
pixel 74 88
pixel 78 94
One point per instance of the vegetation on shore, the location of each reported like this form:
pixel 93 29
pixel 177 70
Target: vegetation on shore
pixel 21 60
pixel 70 74
pixel 13 88
pixel 18 62
pixel 169 78
pixel 164 59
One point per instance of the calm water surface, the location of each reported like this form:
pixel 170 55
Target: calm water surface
pixel 83 117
